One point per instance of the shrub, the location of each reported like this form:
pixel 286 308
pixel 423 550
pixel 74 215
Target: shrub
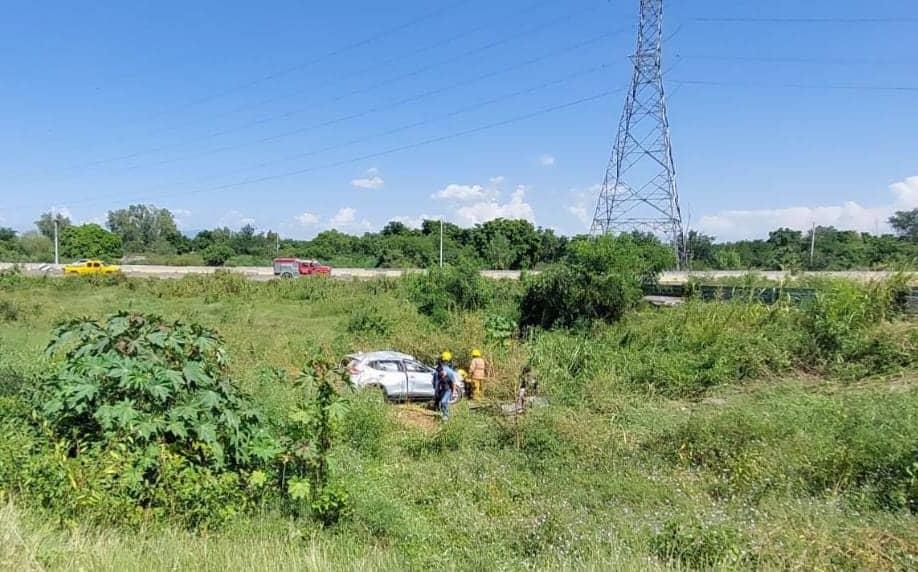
pixel 90 241
pixel 308 438
pixel 147 411
pixel 139 380
pixel 564 297
pixel 601 279
pixel 369 320
pixel 499 328
pixel 217 254
pixel 446 289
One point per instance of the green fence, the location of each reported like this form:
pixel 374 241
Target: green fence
pixel 766 295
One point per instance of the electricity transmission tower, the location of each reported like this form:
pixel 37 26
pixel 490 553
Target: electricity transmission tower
pixel 639 189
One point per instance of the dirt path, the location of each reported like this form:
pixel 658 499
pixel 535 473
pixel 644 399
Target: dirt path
pixel 417 417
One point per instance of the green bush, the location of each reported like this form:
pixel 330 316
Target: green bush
pixel 441 290
pixel 600 280
pixel 369 320
pixel 90 241
pixel 141 381
pixel 217 254
pixel 143 410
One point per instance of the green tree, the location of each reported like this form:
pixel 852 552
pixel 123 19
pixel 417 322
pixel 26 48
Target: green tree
pixel 145 228
pixel 90 241
pixel 505 243
pixel 9 245
pixel 217 254
pixel 45 223
pixel 905 223
pixel 701 249
pixel 600 280
pixel 787 247
pixel 36 246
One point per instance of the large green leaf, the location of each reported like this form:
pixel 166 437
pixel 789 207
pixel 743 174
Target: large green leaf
pixel 299 489
pixel 195 374
pixel 207 432
pixel 209 399
pixel 80 393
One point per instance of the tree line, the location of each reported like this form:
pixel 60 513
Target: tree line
pixel 149 234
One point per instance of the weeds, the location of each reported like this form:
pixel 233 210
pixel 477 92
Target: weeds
pixel 672 438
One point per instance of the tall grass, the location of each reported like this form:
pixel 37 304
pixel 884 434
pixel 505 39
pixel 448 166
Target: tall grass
pixel 675 438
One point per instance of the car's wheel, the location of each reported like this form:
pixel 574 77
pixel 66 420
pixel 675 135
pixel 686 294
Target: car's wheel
pixel 286 275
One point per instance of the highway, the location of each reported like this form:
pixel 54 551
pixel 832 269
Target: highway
pixel 266 273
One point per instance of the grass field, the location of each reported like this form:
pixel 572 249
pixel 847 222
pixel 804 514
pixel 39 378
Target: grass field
pixel 725 435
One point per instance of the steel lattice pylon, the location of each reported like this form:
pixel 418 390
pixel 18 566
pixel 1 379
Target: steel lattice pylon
pixel 639 189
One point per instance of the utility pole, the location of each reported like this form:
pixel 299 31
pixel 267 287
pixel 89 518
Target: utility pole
pixel 276 243
pixel 57 260
pixel 812 244
pixel 441 243
pixel 639 189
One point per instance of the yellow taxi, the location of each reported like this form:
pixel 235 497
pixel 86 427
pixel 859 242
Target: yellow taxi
pixel 90 266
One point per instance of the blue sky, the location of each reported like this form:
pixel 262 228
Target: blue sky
pixel 299 116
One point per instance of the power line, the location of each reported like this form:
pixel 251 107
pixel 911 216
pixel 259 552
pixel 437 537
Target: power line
pixel 389 151
pixel 377 85
pixel 828 86
pixel 387 106
pixel 330 54
pixel 405 127
pixel 800 60
pixel 805 20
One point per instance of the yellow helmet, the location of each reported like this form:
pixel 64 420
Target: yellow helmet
pixel 476 353
pixel 446 356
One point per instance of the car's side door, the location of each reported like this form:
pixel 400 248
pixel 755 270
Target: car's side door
pixel 420 379
pixel 390 374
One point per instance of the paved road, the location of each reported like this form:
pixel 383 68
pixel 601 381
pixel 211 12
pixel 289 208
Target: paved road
pixel 266 273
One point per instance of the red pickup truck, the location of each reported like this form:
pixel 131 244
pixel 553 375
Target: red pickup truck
pixel 293 267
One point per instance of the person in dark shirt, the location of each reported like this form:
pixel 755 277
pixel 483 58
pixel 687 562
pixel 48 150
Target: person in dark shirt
pixel 445 387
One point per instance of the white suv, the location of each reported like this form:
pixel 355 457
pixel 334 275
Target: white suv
pixel 399 376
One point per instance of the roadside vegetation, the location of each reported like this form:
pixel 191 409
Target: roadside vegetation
pixel 146 234
pixel 201 423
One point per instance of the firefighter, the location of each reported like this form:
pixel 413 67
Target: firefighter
pixel 477 374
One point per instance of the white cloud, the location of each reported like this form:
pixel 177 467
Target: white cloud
pixel 547 160
pixel 372 181
pixel 345 220
pixel 454 192
pixel 496 182
pixel 307 219
pixel 234 219
pixel 344 217
pixel 850 215
pixel 180 216
pixel 414 221
pixel 581 205
pixel 491 209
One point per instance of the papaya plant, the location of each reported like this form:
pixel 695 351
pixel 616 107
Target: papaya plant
pixel 152 385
